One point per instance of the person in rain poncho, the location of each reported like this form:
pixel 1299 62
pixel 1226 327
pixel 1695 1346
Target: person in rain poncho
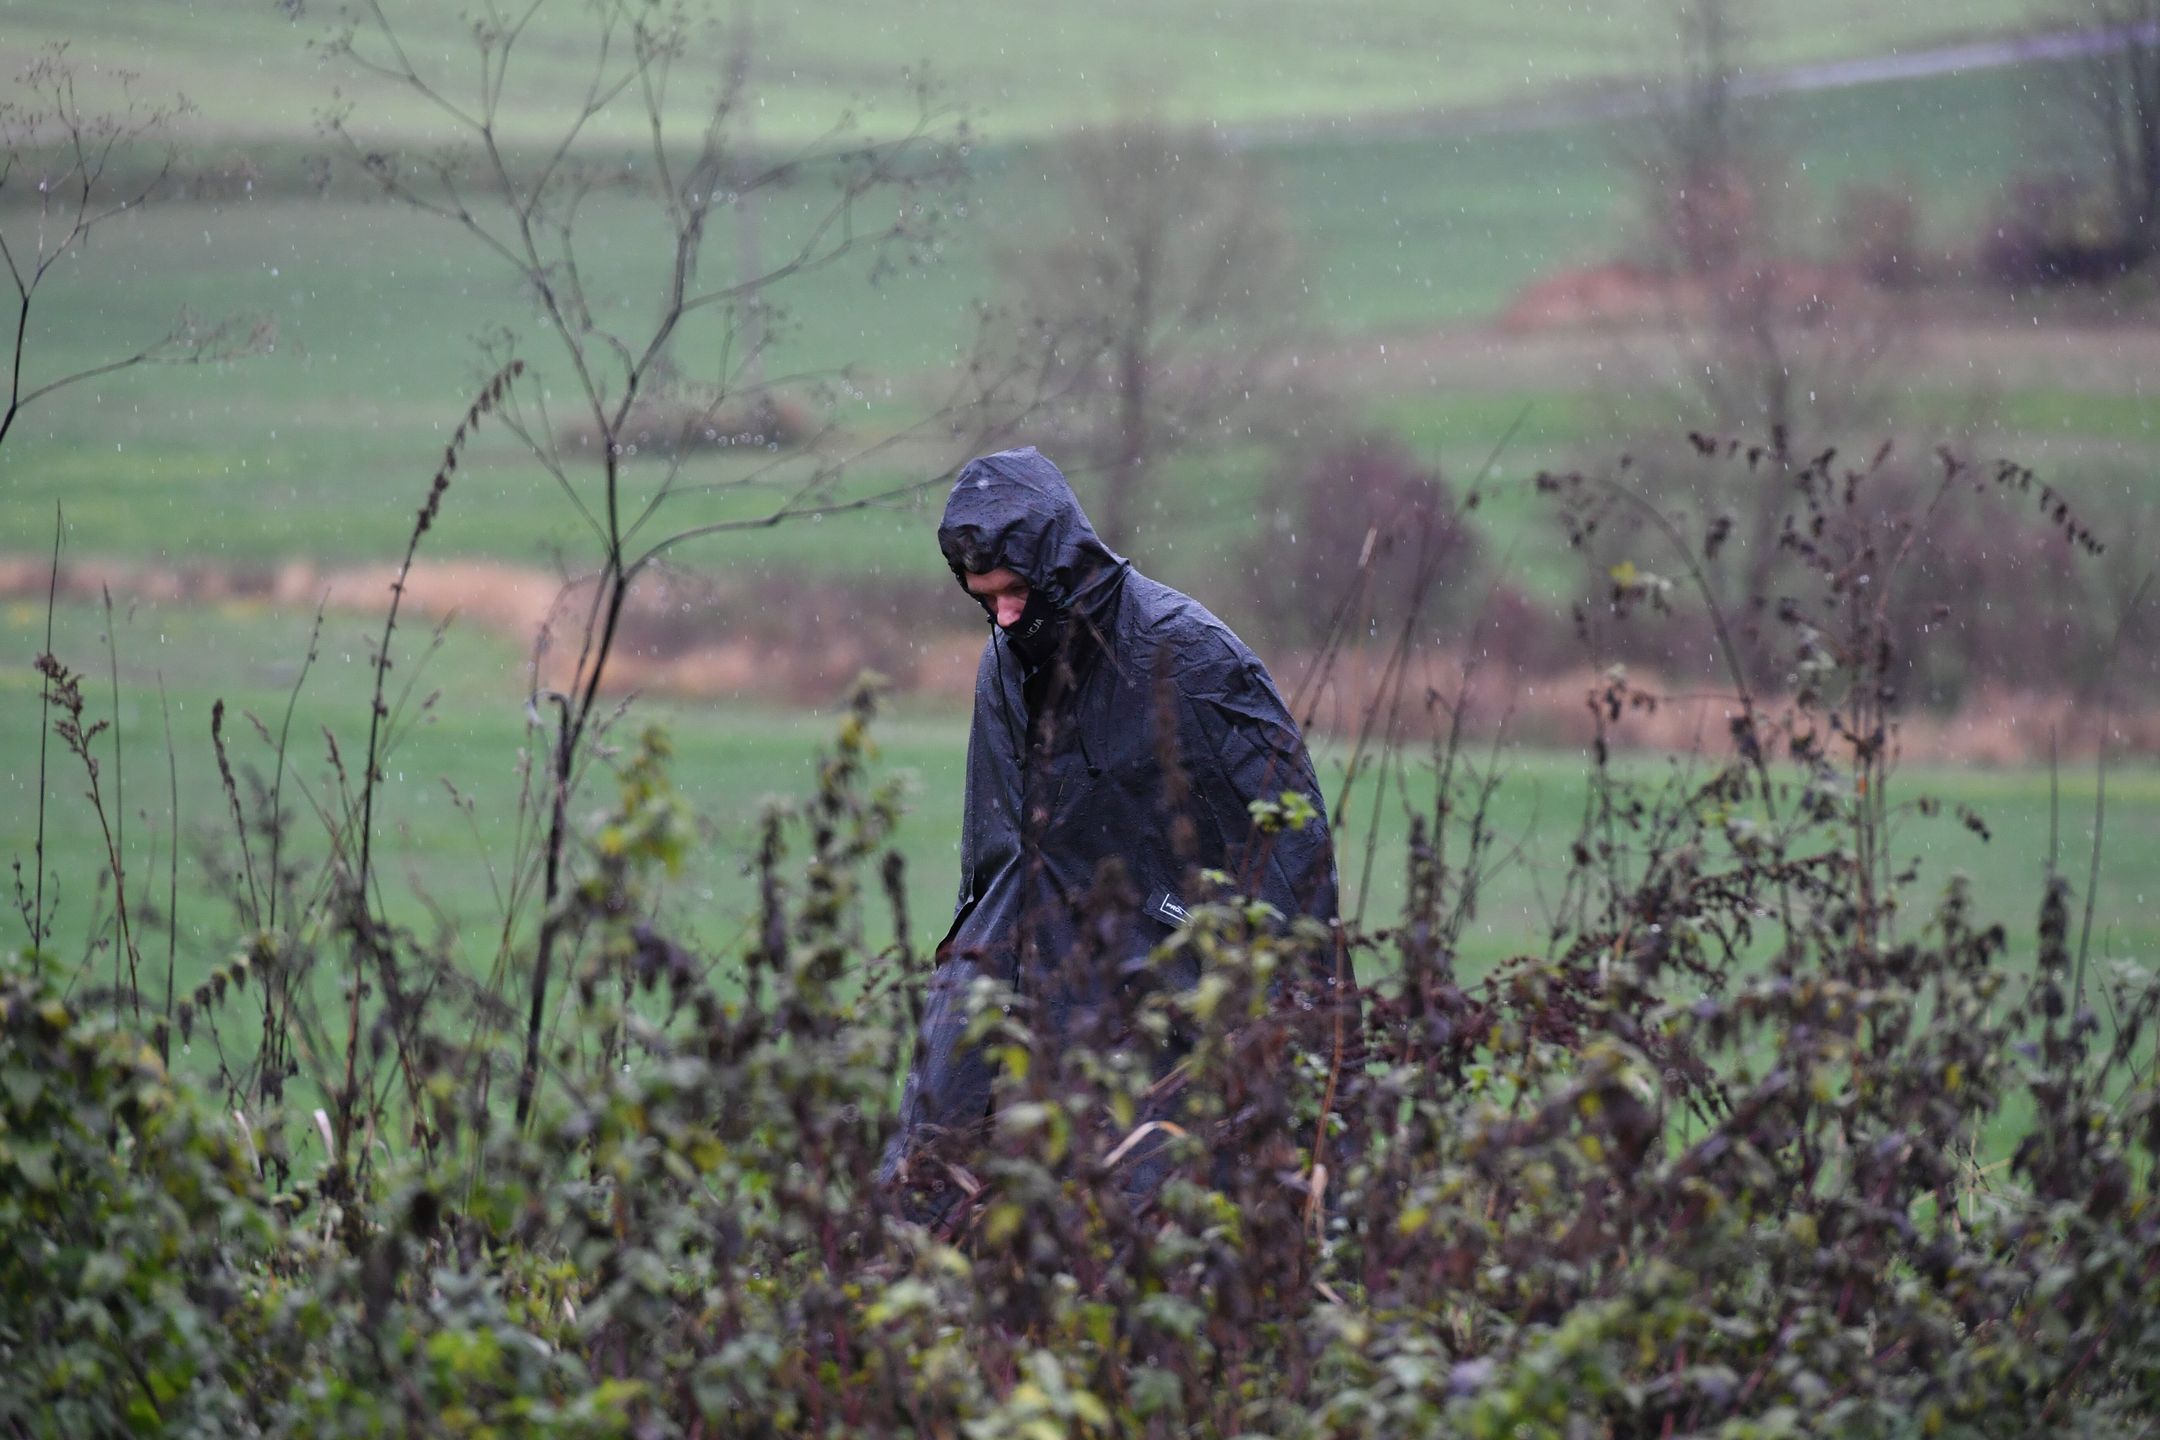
pixel 1118 726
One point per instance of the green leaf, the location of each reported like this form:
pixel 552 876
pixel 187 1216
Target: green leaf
pixel 23 1086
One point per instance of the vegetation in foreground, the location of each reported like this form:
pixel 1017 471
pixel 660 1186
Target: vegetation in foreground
pixel 1621 1187
pixel 1759 1142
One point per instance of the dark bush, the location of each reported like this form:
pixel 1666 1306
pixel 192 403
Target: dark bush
pixel 2050 229
pixel 686 420
pixel 1880 226
pixel 1363 515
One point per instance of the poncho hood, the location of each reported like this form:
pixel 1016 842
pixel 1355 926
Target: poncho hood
pixel 1015 511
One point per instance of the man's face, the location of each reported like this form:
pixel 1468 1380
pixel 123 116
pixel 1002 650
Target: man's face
pixel 1001 592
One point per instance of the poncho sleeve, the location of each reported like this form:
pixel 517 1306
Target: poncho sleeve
pixel 1240 745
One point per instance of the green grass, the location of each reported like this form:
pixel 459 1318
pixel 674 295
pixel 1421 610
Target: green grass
pixel 320 448
pixel 730 763
pixel 2132 419
pixel 732 759
pixel 1024 68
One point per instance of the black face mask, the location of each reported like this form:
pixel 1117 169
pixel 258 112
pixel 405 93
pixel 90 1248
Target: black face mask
pixel 1035 635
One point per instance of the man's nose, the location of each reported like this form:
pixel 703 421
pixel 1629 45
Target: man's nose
pixel 1008 609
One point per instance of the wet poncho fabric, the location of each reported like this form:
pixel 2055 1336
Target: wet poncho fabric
pixel 1070 782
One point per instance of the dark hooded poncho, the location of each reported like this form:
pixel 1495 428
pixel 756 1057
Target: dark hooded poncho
pixel 1070 783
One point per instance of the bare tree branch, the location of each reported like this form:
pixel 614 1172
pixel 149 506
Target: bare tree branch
pixel 1160 308
pixel 63 151
pixel 531 216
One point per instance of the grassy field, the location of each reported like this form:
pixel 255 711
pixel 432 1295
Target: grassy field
pixel 313 450
pixel 732 759
pixel 1024 68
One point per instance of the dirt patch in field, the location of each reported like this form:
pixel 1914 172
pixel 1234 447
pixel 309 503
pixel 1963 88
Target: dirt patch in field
pixel 1995 728
pixel 804 642
pixel 790 640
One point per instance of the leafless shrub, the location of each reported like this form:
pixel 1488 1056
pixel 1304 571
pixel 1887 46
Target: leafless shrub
pixel 2114 87
pixel 1762 339
pixel 1358 508
pixel 2051 228
pixel 679 423
pixel 1161 310
pixel 1879 229
pixel 1990 586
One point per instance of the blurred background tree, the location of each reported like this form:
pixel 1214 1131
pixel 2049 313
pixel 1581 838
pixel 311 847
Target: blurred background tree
pixel 1162 302
pixel 2115 88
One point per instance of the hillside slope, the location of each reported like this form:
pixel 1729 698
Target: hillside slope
pixel 1021 68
